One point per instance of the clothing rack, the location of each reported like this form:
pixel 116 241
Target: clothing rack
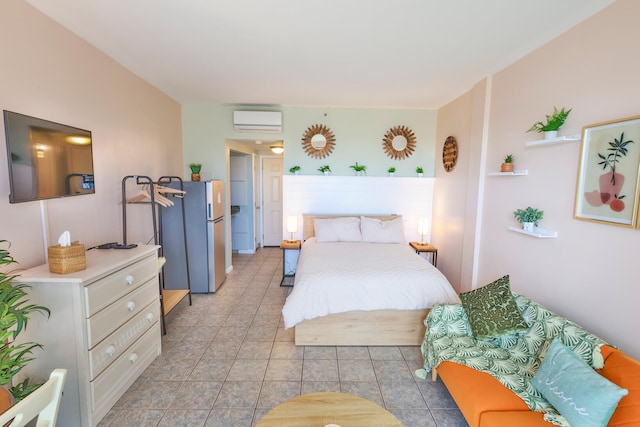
pixel 168 298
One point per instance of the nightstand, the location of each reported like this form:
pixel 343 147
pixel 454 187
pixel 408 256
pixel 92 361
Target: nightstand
pixel 420 247
pixel 288 245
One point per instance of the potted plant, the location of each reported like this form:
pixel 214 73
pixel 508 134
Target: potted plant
pixel 528 217
pixel 419 171
pixel 326 169
pixel 14 314
pixel 507 165
pixel 195 171
pixel 553 123
pixel 360 169
pixel 391 171
pixel 295 170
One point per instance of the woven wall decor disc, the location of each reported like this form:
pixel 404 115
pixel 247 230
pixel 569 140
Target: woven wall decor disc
pixel 450 154
pixel 318 141
pixel 404 134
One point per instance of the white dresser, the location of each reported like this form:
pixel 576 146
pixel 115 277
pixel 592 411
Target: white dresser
pixel 104 328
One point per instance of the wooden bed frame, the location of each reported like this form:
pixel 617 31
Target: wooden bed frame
pixel 379 327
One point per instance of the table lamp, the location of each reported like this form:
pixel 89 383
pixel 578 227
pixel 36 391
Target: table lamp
pixel 423 228
pixel 292 226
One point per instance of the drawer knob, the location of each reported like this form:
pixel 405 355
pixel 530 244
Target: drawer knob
pixel 110 351
pixel 131 306
pixel 133 358
pixel 129 279
pixel 150 317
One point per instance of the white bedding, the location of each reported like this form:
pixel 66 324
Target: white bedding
pixel 347 276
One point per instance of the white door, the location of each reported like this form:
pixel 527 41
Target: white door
pixel 272 200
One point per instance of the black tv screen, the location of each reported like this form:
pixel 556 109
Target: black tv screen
pixel 47 159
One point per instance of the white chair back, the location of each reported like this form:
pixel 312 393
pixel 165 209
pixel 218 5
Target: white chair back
pixel 42 403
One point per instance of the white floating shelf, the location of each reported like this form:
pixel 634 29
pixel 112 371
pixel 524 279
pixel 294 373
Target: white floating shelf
pixel 557 140
pixel 540 233
pixel 514 173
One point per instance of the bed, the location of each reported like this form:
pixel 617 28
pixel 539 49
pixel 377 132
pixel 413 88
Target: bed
pixel 372 292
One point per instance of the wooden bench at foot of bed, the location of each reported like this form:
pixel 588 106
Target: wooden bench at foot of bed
pixel 380 327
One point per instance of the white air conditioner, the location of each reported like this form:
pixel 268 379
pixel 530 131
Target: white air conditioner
pixel 258 121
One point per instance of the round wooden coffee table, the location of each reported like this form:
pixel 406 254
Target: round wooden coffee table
pixel 320 409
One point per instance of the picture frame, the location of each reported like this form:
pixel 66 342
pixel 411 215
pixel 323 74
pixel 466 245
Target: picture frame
pixel 608 186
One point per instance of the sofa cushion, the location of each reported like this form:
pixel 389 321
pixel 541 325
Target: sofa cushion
pixel 625 372
pixel 492 311
pixel 477 392
pixel 580 394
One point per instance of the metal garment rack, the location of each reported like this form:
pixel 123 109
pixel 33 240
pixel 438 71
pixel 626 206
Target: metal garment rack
pixel 156 214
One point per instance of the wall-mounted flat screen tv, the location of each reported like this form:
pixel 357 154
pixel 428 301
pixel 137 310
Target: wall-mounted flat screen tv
pixel 46 159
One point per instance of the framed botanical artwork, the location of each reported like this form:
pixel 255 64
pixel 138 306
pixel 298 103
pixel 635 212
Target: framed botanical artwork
pixel 609 175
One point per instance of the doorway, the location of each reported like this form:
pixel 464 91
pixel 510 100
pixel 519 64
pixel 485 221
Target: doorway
pixel 255 177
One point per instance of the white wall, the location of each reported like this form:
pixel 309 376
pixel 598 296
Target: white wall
pixel 409 197
pixel 50 73
pixel 588 272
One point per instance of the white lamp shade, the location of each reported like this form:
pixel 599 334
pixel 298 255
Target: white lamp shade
pixel 292 224
pixel 423 226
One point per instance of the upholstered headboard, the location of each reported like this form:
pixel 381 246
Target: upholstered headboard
pixel 308 229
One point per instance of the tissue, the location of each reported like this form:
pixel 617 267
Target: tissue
pixel 65 239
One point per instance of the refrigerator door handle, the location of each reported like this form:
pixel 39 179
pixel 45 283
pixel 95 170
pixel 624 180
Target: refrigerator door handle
pixel 209 211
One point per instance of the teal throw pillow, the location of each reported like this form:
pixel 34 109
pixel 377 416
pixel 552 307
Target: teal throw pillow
pixel 581 395
pixel 492 311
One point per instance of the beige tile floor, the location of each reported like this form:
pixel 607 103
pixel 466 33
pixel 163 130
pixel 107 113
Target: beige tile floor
pixel 226 361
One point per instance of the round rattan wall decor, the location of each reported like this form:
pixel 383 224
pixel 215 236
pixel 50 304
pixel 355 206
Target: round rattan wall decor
pixel 399 142
pixel 318 141
pixel 450 154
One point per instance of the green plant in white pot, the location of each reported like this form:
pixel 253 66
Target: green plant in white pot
pixel 326 169
pixel 14 315
pixel 528 217
pixel 359 169
pixel 552 123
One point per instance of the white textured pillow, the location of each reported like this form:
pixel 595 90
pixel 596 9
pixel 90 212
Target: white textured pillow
pixel 377 231
pixel 345 229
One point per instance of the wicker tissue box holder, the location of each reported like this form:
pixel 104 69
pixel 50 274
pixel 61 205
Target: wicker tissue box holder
pixel 67 259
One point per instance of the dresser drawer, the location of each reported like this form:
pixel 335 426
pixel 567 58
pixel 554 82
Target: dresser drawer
pixel 103 292
pixel 125 369
pixel 115 344
pixel 120 312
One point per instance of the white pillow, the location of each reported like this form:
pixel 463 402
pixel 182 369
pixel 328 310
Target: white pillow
pixel 377 231
pixel 344 229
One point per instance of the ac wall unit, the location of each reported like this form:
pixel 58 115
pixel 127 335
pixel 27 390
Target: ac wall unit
pixel 258 121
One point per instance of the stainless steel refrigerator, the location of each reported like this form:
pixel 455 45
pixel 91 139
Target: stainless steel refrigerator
pixel 204 218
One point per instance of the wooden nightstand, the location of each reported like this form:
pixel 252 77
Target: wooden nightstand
pixel 288 245
pixel 428 249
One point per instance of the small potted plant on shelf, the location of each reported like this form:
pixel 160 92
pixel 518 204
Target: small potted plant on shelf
pixel 391 171
pixel 528 217
pixel 195 171
pixel 326 169
pixel 14 315
pixel 359 169
pixel 553 123
pixel 507 165
pixel 419 171
pixel 295 170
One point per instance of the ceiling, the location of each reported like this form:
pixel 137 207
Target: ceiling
pixel 322 53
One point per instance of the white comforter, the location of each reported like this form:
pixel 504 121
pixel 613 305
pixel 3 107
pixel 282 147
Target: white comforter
pixel 345 276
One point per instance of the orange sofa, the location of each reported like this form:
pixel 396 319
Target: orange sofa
pixel 485 402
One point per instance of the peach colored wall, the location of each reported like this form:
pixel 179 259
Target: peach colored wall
pixel 588 273
pixel 450 189
pixel 50 73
